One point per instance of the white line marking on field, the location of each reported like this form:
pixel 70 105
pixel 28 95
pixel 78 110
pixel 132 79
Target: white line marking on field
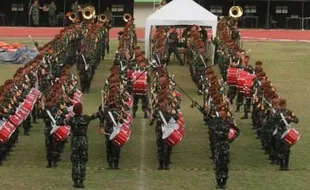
pixel 142 155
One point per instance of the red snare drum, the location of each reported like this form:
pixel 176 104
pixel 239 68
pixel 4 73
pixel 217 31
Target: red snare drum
pixel 35 92
pixel 27 105
pixel 31 98
pixel 181 127
pixel 232 133
pixel 129 119
pixel 129 102
pixel 70 114
pixel 290 136
pixel 172 136
pixel 60 133
pixel 120 135
pixel 242 74
pixel 6 130
pixel 15 120
pixel 139 85
pixel 78 93
pixel 22 114
pixel 232 76
pixel 248 88
pixel 129 73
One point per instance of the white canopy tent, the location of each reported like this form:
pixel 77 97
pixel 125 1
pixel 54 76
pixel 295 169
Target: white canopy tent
pixel 179 12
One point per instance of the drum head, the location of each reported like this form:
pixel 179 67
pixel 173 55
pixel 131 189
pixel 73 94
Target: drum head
pixel 167 132
pixel 54 129
pixel 114 133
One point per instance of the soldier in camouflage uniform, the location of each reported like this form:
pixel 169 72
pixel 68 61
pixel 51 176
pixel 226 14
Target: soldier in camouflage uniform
pixel 35 13
pixel 283 147
pixel 52 153
pixel 163 149
pixel 222 149
pixel 106 127
pixel 75 8
pixel 52 13
pixel 79 143
pixel 172 45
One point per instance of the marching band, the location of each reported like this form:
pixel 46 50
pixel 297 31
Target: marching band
pixel 46 88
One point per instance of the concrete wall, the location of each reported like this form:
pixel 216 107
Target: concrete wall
pixel 141 12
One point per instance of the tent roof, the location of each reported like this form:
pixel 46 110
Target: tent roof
pixel 182 12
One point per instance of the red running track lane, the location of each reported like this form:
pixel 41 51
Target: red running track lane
pixel 6 32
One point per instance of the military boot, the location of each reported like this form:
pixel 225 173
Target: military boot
pixel 116 165
pixel 110 165
pixel 224 180
pixel 161 165
pixel 282 167
pixel 245 116
pixel 134 114
pixel 49 164
pixel 238 108
pixel 167 164
pixel 145 115
pixel 75 184
pixel 219 184
pixel 81 184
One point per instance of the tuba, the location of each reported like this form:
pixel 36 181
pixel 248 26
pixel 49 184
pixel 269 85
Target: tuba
pixel 235 12
pixel 127 17
pixel 103 18
pixel 89 12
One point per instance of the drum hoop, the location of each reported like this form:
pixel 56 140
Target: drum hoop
pixel 168 131
pixel 114 134
pixel 54 129
pixel 285 133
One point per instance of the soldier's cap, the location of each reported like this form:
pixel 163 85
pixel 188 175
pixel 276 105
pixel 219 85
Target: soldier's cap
pixel 77 108
pixel 258 63
pixel 282 102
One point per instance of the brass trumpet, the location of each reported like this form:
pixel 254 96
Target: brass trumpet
pixel 89 12
pixel 235 12
pixel 127 17
pixel 103 18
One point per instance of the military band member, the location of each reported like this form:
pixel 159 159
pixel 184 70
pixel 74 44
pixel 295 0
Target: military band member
pixel 172 45
pixel 34 12
pixel 79 143
pixel 283 147
pixel 106 127
pixel 52 13
pixel 75 8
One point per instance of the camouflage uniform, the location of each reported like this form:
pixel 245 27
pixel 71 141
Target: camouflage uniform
pixel 52 14
pixel 52 149
pixel 35 13
pixel 79 145
pixel 222 152
pixel 163 149
pixel 112 150
pixel 172 47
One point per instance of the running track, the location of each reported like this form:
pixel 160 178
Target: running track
pixel 247 34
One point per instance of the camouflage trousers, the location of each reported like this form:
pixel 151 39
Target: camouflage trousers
pixel 52 19
pixel 163 150
pixel 144 101
pixel 79 158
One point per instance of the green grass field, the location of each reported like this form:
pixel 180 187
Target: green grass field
pixel 286 64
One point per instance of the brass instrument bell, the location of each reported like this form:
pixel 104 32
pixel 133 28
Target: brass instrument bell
pixel 103 18
pixel 89 12
pixel 235 12
pixel 127 17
